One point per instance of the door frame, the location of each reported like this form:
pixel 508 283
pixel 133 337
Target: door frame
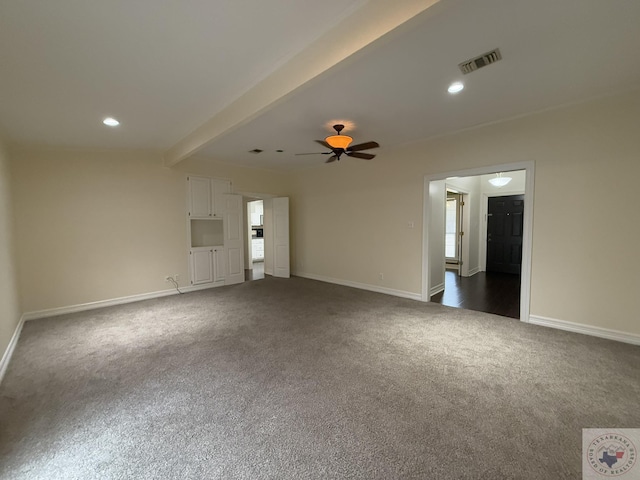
pixel 527 239
pixel 457 241
pixel 248 253
pixel 250 197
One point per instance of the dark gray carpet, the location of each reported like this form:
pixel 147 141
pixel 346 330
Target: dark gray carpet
pixel 296 379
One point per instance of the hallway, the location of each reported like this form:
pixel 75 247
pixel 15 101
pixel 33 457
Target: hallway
pixel 489 292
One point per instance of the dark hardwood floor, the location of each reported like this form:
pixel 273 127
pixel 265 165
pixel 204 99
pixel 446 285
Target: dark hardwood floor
pixel 489 292
pixel 257 273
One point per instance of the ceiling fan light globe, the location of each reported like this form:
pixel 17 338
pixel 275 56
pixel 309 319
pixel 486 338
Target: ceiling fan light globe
pixel 339 141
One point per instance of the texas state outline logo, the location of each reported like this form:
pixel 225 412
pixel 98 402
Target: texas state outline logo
pixel 610 453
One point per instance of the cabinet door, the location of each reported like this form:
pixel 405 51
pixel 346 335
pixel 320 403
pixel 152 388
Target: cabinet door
pixel 200 199
pixel 219 189
pixel 201 266
pixel 218 264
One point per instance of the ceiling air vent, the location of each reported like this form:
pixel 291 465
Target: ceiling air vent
pixel 482 61
pixel 256 151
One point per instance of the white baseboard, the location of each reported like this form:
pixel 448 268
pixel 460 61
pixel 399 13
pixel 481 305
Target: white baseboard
pixel 436 289
pixel 52 312
pixel 8 353
pixel 607 333
pixel 473 271
pixel 361 286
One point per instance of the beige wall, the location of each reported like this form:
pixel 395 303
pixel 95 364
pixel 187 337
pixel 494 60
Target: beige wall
pixel 244 179
pixel 99 225
pixel 94 226
pixel 9 300
pixel 351 217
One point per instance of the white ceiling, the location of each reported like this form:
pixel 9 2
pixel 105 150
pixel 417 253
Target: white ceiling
pixel 165 68
pixel 161 67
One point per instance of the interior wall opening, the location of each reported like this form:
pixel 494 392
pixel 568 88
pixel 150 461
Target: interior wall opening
pixel 477 254
pixel 254 251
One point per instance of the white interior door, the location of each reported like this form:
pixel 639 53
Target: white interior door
pixel 267 223
pixel 281 237
pixel 233 239
pixel 248 252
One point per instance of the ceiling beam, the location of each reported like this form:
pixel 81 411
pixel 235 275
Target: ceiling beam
pixel 365 25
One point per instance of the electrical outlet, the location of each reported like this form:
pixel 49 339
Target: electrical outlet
pixel 176 276
pixel 381 275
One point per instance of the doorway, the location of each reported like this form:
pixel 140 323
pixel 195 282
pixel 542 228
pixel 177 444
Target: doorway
pixel 453 233
pixel 255 240
pixel 266 236
pixel 437 280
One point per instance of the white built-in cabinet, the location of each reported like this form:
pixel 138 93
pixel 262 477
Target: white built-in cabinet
pixel 218 264
pixel 206 197
pixel 207 265
pixel 206 229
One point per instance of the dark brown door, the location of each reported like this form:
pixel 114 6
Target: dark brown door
pixel 504 234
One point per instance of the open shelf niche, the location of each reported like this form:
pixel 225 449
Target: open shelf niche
pixel 207 233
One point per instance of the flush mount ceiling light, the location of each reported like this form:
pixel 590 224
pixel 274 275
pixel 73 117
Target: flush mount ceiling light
pixel 111 122
pixel 455 87
pixel 338 141
pixel 499 181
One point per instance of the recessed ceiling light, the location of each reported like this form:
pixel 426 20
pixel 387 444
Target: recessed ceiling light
pixel 455 87
pixel 112 122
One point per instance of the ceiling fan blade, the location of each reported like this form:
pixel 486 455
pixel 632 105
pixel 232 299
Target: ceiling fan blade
pixel 362 146
pixel 324 144
pixel 332 159
pixel 364 156
pixel 314 153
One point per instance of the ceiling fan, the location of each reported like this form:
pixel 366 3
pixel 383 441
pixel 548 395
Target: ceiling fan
pixel 339 144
